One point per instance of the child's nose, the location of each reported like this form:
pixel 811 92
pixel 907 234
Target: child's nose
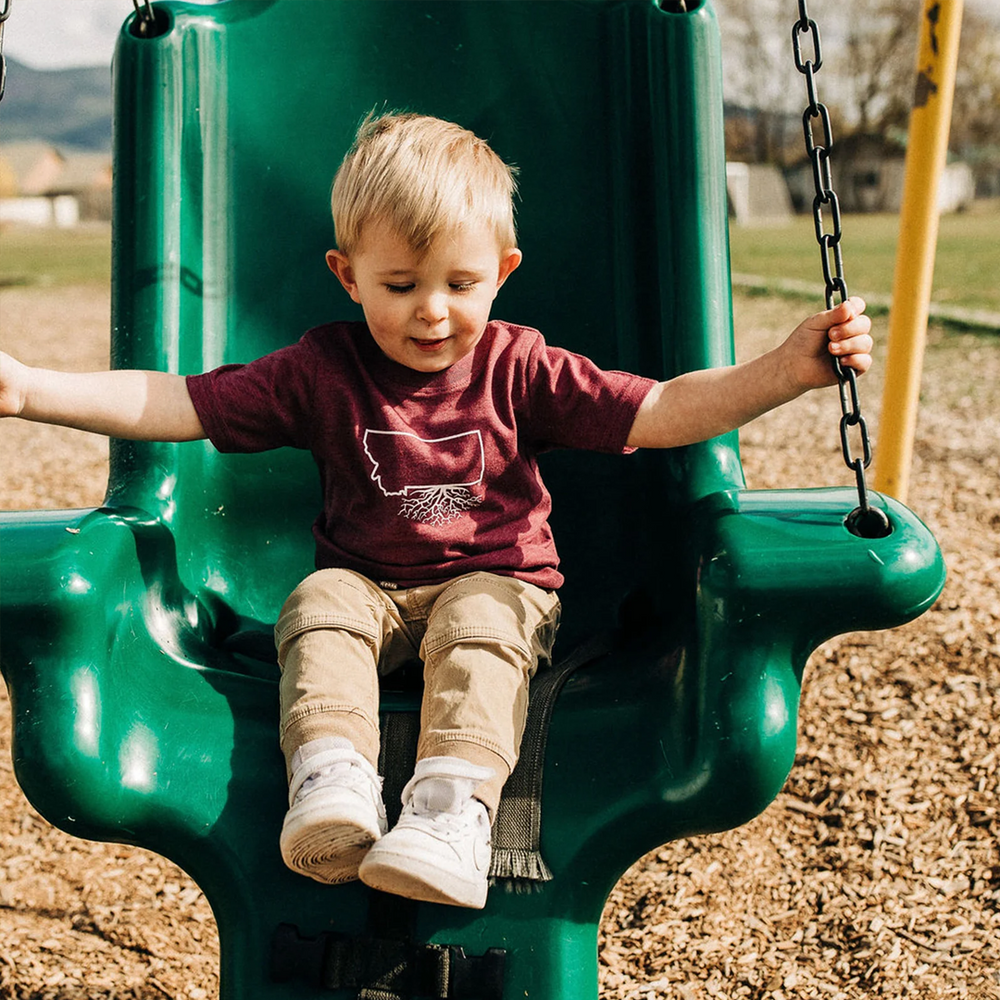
pixel 433 308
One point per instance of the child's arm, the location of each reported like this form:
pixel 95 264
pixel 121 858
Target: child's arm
pixel 136 405
pixel 703 404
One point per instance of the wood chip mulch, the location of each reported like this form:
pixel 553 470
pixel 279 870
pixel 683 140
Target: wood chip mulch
pixel 875 873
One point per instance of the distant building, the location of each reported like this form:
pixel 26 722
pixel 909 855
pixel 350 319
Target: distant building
pixel 35 165
pixel 757 194
pixel 41 185
pixel 868 172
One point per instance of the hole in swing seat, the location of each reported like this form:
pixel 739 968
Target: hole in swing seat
pixel 142 27
pixel 870 523
pixel 679 6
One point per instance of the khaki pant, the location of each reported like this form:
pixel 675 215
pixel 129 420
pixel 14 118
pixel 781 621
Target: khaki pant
pixel 480 637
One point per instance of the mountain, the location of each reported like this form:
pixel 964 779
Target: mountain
pixel 69 107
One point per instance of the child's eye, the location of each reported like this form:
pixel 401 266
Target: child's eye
pixel 463 286
pixel 399 289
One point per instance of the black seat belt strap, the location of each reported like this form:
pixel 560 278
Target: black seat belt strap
pixel 384 969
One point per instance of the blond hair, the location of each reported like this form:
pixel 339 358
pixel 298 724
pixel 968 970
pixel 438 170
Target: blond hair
pixel 422 177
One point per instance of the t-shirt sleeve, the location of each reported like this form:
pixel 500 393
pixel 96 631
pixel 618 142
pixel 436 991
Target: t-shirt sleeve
pixel 257 406
pixel 575 404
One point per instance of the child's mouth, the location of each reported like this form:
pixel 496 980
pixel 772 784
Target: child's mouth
pixel 430 346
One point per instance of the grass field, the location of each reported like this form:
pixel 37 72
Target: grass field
pixel 966 272
pixel 55 257
pixel 967 262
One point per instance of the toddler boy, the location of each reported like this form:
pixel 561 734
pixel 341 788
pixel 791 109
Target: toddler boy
pixel 425 422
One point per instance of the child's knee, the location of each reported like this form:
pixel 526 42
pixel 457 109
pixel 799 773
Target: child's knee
pixel 485 609
pixel 331 599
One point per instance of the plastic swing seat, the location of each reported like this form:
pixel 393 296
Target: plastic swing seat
pixel 140 718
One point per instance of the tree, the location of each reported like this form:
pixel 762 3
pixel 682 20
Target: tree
pixel 866 79
pixel 756 39
pixel 881 47
pixel 975 120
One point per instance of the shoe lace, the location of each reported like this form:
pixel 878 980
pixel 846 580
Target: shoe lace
pixel 342 773
pixel 447 824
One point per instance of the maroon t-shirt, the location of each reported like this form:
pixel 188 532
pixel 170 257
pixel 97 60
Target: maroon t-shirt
pixel 424 476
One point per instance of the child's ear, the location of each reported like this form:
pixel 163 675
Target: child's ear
pixel 510 260
pixel 341 267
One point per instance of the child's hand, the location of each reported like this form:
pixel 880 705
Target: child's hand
pixel 843 332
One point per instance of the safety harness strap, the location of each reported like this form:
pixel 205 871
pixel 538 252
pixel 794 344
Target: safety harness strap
pixel 386 969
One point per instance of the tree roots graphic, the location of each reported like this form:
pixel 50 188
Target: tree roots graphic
pixel 437 504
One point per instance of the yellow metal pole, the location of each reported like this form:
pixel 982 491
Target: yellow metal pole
pixel 926 152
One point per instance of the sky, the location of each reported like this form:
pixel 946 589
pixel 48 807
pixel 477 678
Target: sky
pixel 56 34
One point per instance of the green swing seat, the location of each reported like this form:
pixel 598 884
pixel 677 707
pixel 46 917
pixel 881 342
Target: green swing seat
pixel 138 717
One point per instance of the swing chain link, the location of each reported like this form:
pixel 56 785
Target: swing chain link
pixel 831 253
pixel 5 8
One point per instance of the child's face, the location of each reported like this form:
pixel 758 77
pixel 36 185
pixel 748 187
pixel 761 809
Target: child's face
pixel 425 312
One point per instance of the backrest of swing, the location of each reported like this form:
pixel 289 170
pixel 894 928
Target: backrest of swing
pixel 229 127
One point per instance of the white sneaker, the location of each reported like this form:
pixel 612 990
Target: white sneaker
pixel 335 811
pixel 439 851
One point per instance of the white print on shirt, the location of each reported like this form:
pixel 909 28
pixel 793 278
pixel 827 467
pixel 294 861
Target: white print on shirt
pixel 434 476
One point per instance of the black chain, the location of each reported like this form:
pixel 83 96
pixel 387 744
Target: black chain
pixel 865 520
pixel 4 14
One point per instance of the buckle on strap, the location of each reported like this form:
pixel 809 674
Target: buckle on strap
pixel 386 969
